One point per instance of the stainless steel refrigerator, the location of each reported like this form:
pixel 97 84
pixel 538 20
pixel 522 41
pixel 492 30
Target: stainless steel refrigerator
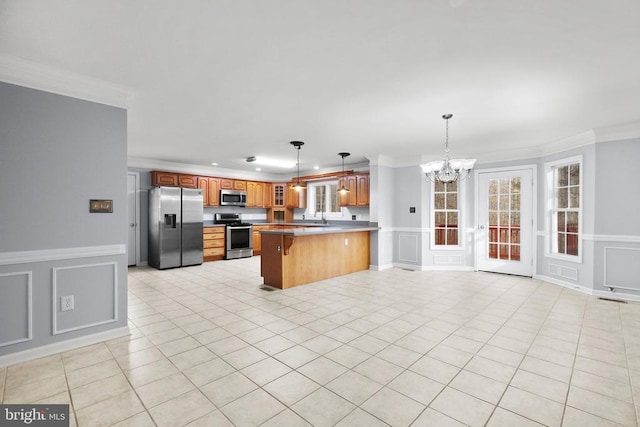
pixel 175 227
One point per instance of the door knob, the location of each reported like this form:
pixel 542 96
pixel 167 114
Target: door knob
pixel 481 227
pixel 132 225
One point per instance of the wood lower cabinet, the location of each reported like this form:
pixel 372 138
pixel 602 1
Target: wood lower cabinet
pixel 257 237
pixel 213 243
pixel 210 190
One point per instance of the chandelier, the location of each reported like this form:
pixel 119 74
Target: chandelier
pixel 448 170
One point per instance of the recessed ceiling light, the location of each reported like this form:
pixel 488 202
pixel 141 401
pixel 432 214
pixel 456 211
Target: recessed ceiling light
pixel 214 164
pixel 258 169
pixel 274 162
pixel 316 167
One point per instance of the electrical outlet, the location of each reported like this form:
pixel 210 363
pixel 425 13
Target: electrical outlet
pixel 66 303
pixel 353 217
pixel 346 242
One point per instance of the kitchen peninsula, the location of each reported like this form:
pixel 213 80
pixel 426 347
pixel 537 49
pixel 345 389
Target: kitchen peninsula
pixel 297 256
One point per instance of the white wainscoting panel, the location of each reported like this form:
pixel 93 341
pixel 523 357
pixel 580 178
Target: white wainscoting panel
pixel 87 283
pixel 622 268
pixel 16 307
pixel 408 247
pixel 563 271
pixel 447 260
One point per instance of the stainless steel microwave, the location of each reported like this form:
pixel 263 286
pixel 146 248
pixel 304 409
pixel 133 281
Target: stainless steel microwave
pixel 233 198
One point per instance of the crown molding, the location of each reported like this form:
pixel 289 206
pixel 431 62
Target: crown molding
pixel 620 132
pixel 34 75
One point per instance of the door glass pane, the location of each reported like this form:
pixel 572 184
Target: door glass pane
pixel 440 219
pixel 515 184
pixel 504 218
pixel 572 222
pixel 493 218
pixel 493 187
pixel 452 236
pixel 515 202
pixel 452 219
pixel 504 186
pixel 439 201
pixel 440 236
pixel 493 203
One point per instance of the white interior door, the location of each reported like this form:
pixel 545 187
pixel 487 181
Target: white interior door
pixel 505 222
pixel 132 218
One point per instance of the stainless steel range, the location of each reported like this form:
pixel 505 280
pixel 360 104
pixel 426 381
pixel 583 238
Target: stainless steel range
pixel 239 235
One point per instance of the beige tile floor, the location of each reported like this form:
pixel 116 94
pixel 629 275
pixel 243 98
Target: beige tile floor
pixel 209 347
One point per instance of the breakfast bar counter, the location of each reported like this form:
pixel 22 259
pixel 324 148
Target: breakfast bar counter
pixel 301 255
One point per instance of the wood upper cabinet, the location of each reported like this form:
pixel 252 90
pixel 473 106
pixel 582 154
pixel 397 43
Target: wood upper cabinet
pixel 210 190
pixel 349 198
pixel 277 198
pixel 362 186
pixel 164 178
pixel 295 198
pixel 172 179
pixel 358 186
pixel 255 194
pixel 188 181
pixel 268 195
pixel 232 184
pixel 226 184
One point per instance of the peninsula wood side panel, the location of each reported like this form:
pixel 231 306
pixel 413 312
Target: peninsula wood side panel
pixel 311 258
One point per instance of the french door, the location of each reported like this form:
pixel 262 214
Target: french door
pixel 504 239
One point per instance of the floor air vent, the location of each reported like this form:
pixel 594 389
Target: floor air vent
pixel 612 300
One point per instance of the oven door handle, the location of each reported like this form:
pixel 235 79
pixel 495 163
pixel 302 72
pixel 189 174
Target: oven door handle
pixel 241 227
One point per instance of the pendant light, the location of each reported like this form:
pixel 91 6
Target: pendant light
pixel 297 145
pixel 448 170
pixel 343 189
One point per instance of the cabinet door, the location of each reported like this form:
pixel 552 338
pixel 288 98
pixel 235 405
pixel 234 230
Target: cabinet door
pixel 164 178
pixel 203 184
pixel 214 192
pixel 350 198
pixel 188 181
pixel 251 194
pixel 362 190
pixel 258 194
pixel 268 195
pixel 278 195
pixel 295 198
pixel 239 185
pixel 226 184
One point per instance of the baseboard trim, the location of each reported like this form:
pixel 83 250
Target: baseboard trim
pixel 588 291
pixel 62 346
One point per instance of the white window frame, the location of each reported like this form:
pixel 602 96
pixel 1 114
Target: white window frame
pixel 461 219
pixel 550 199
pixel 311 201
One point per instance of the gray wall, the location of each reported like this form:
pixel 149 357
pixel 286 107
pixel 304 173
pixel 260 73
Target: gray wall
pixel 57 153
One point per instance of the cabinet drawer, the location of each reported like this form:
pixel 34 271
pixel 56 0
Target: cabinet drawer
pixel 213 244
pixel 213 230
pixel 213 251
pixel 212 236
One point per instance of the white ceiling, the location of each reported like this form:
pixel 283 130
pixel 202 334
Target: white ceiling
pixel 221 80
